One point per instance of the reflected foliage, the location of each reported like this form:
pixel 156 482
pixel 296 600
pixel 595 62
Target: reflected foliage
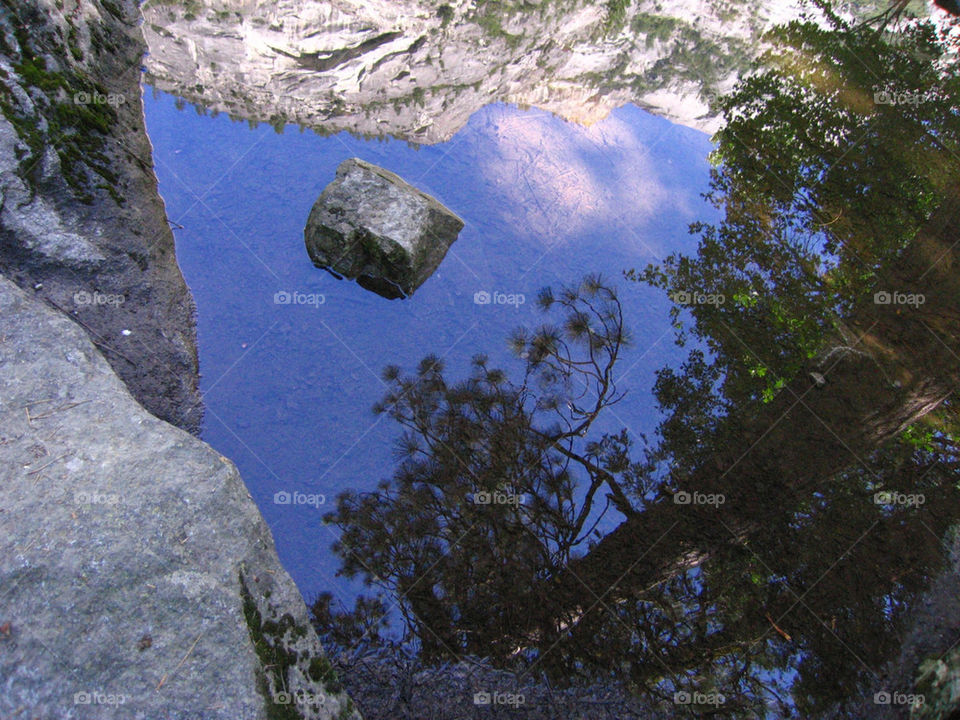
pixel 497 481
pixel 836 160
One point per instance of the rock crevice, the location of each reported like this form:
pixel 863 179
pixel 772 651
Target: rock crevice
pixel 81 222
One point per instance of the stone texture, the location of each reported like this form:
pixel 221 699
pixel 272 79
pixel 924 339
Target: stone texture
pixel 133 564
pixel 81 222
pixel 371 225
pixel 929 659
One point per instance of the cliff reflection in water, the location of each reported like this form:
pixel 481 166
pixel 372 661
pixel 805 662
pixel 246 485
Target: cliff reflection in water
pixel 418 71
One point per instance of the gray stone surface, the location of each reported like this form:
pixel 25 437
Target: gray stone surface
pixel 81 221
pixel 133 564
pixel 371 225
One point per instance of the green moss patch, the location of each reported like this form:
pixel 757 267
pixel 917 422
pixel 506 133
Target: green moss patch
pixel 270 639
pixel 75 107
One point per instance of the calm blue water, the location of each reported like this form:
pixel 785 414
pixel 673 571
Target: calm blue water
pixel 288 388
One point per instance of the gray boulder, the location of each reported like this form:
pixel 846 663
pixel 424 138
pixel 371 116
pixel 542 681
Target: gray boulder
pixel 371 225
pixel 137 577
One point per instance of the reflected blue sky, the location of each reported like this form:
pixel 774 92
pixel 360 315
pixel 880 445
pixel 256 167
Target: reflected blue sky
pixel 288 388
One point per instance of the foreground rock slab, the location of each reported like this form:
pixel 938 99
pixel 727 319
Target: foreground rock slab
pixel 371 225
pixel 137 577
pixel 81 221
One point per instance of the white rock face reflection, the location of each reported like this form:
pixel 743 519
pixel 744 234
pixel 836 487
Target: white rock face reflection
pixel 557 183
pixel 418 70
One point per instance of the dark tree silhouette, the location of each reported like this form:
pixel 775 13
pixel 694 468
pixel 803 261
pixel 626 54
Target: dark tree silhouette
pixel 829 197
pixel 498 482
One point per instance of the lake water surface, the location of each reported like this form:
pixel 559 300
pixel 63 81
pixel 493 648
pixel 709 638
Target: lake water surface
pixel 288 388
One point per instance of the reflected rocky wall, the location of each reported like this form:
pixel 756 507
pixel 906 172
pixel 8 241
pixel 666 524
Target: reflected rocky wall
pixel 417 69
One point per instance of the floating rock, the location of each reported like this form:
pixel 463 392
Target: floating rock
pixel 371 225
